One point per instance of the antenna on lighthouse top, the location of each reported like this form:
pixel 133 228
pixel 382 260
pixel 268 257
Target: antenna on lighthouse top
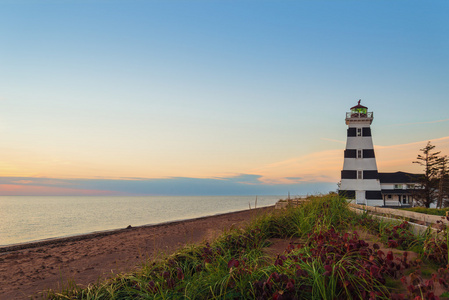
pixel 359 113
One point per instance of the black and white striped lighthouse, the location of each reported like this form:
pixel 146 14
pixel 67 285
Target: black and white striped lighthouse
pixel 359 177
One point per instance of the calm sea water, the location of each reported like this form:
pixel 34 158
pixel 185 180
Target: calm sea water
pixel 25 219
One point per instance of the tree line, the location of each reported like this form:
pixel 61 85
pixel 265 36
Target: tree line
pixel 433 184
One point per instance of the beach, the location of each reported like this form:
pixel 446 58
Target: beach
pixel 28 269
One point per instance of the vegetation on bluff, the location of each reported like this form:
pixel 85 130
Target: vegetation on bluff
pixel 428 211
pixel 326 259
pixel 433 185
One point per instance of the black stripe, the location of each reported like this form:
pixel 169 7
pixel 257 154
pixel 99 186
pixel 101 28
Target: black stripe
pixel 350 153
pixel 370 174
pixel 348 174
pixel 352 131
pixel 368 153
pixel 347 194
pixel 373 195
pixel 366 131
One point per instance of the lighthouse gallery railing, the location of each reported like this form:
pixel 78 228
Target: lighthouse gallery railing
pixel 359 115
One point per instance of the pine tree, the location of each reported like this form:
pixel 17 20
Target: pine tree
pixel 426 191
pixel 443 186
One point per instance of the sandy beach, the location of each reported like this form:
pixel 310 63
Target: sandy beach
pixel 28 269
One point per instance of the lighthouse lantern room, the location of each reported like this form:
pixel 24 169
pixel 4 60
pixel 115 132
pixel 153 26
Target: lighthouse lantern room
pixel 359 177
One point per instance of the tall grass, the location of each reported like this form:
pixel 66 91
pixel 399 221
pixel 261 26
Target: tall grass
pixel 330 264
pixel 320 212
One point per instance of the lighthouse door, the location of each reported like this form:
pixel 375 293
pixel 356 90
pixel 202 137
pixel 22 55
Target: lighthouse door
pixel 360 197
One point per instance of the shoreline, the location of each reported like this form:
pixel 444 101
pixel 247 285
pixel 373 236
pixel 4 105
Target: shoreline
pixel 83 236
pixel 29 269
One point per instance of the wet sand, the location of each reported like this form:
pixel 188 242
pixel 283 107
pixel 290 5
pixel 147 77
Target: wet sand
pixel 28 269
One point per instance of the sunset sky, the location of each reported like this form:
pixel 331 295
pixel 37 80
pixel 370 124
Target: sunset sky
pixel 213 97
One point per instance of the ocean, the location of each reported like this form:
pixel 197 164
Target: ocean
pixel 33 218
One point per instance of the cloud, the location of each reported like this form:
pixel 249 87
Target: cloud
pixel 322 166
pixel 442 142
pixel 335 141
pixel 400 157
pixel 325 166
pixel 243 184
pixel 245 179
pixel 23 181
pixel 37 190
pixel 309 174
pixel 418 123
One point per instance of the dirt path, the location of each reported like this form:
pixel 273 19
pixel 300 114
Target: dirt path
pixel 86 259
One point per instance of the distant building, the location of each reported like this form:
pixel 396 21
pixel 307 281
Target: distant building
pixel 360 181
pixel 397 188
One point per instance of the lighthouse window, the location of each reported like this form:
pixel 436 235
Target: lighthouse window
pixel 373 195
pixel 348 174
pixel 350 153
pixel 368 153
pixel 359 131
pixel 351 131
pixel 359 153
pixel 359 175
pixel 370 174
pixel 366 131
pixel 347 194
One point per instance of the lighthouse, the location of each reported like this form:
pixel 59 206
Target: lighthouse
pixel 359 178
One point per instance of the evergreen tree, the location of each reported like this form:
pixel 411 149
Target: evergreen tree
pixel 426 191
pixel 443 186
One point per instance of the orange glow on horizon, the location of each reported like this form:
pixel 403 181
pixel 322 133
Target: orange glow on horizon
pixel 321 166
pixel 400 157
pixel 325 166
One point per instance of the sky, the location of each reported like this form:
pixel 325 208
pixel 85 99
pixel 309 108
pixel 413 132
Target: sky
pixel 213 97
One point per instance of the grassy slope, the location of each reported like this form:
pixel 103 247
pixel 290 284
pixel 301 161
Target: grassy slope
pixel 330 262
pixel 428 211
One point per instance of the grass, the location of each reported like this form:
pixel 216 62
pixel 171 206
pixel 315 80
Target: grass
pixel 331 262
pixel 428 211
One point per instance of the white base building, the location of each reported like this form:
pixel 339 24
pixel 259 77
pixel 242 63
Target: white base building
pixel 397 188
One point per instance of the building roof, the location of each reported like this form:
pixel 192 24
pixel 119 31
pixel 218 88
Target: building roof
pixel 359 106
pixel 397 191
pixel 399 177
